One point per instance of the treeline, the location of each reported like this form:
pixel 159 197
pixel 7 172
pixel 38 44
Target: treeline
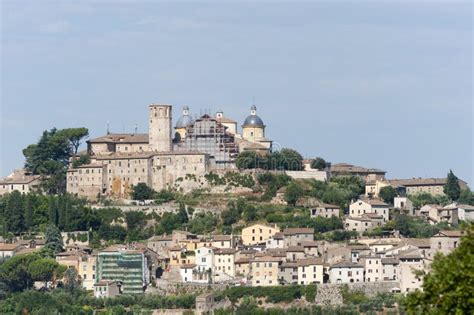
pixel 77 301
pixel 285 159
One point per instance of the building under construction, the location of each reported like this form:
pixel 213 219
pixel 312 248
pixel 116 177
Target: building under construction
pixel 207 135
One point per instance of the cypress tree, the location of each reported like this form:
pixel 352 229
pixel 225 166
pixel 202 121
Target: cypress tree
pixel 29 210
pixel 67 211
pixel 452 188
pixel 61 212
pixel 53 211
pixel 14 217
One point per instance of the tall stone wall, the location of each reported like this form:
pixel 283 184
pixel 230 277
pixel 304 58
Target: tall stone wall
pixel 330 293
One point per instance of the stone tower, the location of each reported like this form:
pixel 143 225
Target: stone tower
pixel 160 128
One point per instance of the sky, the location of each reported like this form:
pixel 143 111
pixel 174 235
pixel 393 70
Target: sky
pixel 376 84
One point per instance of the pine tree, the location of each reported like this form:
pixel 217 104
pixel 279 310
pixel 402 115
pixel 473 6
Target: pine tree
pixel 54 240
pixel 14 218
pixel 452 188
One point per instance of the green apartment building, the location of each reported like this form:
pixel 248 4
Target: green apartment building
pixel 126 266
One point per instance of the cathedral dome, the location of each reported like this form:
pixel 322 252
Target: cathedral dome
pixel 253 120
pixel 185 119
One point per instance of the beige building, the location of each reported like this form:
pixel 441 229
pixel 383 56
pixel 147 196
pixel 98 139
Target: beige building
pixel 9 250
pixel 224 264
pixel 361 207
pixel 253 130
pixel 325 210
pixel 373 268
pixel 21 181
pixel 367 174
pixel 264 270
pixel 107 289
pixel 372 188
pixel 120 161
pixel 433 186
pixel 310 271
pixel 87 271
pixel 242 267
pixel 364 223
pixel 258 233
pixel 445 242
pixel 410 262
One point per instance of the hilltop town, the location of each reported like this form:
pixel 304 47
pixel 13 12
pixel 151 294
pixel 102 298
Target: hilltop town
pixel 198 210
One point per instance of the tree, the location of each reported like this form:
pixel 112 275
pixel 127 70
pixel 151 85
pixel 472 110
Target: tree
pixel 81 160
pixel 447 289
pixel 54 240
pixel 45 269
pixel 293 192
pixel 136 220
pixel 466 197
pixel 318 163
pixel 142 192
pixel 287 159
pixel 50 156
pixel 14 272
pixel 71 282
pixel 452 188
pixel 53 210
pixel 29 211
pixel 74 136
pixel 247 160
pixel 387 194
pixel 14 219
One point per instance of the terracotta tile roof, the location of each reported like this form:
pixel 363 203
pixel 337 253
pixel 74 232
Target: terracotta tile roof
pixel 293 231
pixel 309 262
pixel 455 233
pixel 225 251
pixel 221 238
pixel 121 138
pixel 346 264
pixel 266 259
pixel 374 202
pixel 295 249
pixel 389 261
pixel 309 244
pixel 242 261
pixel 188 266
pixel 9 247
pixel 424 182
pixel 351 169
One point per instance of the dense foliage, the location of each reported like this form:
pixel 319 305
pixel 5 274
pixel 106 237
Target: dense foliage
pixel 452 188
pixel 50 156
pixel 142 192
pixel 387 194
pixel 285 159
pixel 318 163
pixel 20 271
pixel 61 301
pixel 447 289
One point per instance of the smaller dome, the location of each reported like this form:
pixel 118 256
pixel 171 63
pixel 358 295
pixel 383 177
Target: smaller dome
pixel 253 121
pixel 184 121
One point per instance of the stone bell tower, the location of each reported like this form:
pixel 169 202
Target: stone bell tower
pixel 159 134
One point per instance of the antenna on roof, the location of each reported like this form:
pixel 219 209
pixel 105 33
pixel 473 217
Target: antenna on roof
pixel 108 130
pixel 136 128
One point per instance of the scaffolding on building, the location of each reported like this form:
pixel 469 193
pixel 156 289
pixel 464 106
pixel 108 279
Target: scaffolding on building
pixel 207 135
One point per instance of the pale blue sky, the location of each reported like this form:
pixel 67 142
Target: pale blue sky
pixel 377 84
